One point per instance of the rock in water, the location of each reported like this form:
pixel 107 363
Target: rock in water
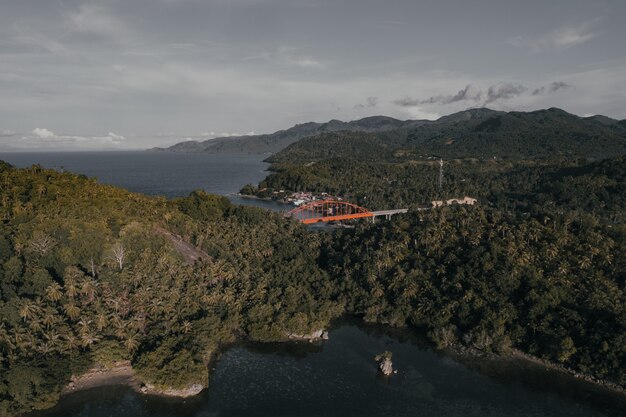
pixel 386 366
pixel 384 362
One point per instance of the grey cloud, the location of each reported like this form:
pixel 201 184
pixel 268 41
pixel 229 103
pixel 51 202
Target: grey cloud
pixel 552 88
pixel 504 91
pixel 407 102
pixel 561 38
pixel 468 93
pixel 369 103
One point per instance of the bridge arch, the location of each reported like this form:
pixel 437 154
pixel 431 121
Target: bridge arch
pixel 327 211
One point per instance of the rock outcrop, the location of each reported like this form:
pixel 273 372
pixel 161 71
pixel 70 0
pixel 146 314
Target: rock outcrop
pixel 384 363
pixel 311 337
pixel 190 391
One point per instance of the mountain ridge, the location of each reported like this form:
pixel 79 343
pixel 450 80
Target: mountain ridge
pixel 542 134
pixel 482 120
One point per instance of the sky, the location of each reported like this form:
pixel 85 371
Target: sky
pixel 131 74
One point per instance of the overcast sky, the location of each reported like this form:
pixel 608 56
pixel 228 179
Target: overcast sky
pixel 127 74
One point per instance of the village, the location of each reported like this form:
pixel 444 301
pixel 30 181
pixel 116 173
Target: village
pixel 302 198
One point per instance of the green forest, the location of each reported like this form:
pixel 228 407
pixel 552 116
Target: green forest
pixel 91 273
pixel 537 265
pixel 87 275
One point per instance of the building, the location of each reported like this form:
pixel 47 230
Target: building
pixel 469 201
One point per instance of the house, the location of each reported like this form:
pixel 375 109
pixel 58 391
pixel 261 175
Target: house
pixel 469 201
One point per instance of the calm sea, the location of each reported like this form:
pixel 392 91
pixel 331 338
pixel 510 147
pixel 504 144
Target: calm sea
pixel 156 173
pixel 337 378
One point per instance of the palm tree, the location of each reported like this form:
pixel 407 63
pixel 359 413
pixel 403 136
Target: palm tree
pixel 53 292
pixel 584 263
pixel 131 343
pixel 101 320
pixel 69 342
pixel 72 310
pixel 186 326
pixel 28 311
pixel 88 338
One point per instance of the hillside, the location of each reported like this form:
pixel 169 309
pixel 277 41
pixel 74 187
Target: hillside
pixel 479 133
pixel 91 273
pixel 274 142
pixel 545 134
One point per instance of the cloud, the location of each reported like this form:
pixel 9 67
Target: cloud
pixel 469 93
pixel 43 133
pixel 304 62
pixel 504 91
pixel 407 102
pixel 94 19
pixel 286 56
pixel 43 138
pixel 561 38
pixel 212 134
pixel 501 91
pixel 369 103
pixel 113 137
pixel 552 88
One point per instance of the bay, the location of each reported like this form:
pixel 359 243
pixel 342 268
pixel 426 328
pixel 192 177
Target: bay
pixel 340 378
pixel 160 173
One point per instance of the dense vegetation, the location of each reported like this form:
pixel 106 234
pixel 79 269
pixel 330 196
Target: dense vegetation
pixel 553 286
pixel 89 273
pixel 538 264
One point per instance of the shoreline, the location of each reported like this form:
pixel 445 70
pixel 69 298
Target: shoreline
pixel 515 355
pixel 254 197
pixel 122 373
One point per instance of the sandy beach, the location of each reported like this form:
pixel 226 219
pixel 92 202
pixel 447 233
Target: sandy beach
pixel 118 374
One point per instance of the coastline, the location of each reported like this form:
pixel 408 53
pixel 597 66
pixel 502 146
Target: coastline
pixel 519 355
pixel 515 356
pixel 122 373
pixel 254 197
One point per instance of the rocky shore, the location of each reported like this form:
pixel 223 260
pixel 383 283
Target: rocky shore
pixel 122 373
pixel 314 336
pixel 466 353
pixel 518 354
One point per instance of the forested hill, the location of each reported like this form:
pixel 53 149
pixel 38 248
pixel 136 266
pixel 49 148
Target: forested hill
pixel 545 134
pixel 274 142
pixel 481 133
pixel 91 273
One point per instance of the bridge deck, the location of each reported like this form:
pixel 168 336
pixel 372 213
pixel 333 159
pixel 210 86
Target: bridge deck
pixel 330 210
pixel 389 212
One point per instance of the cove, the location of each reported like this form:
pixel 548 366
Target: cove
pixel 339 378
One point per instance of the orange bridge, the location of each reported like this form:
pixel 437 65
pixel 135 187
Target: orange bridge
pixel 332 210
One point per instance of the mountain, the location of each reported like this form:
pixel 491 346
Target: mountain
pixel 476 133
pixel 479 132
pixel 274 142
pixel 538 134
pixel 603 120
